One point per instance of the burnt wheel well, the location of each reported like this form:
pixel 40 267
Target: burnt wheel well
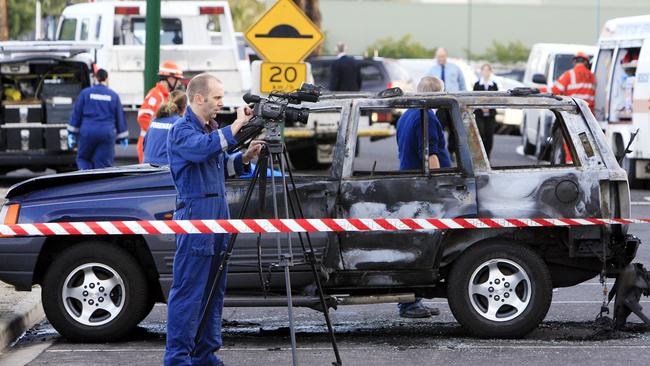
pixel 134 244
pixel 551 244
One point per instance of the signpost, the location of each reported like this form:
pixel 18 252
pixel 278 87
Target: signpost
pixel 283 36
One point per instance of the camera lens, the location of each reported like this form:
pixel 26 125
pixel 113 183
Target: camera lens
pixel 293 115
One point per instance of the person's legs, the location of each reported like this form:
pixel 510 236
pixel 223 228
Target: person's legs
pixel 85 150
pixel 416 309
pixel 488 140
pixel 104 151
pixel 184 305
pixel 211 341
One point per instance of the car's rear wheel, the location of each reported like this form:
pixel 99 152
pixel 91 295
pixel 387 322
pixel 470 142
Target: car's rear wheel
pixel 499 290
pixel 95 291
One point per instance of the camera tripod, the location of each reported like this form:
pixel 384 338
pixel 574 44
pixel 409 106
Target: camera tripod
pixel 275 150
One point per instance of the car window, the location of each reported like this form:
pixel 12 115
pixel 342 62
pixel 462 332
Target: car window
pixel 388 142
pixel 171 32
pixel 544 144
pixel 321 73
pixel 68 29
pixel 603 75
pixel 83 33
pixel 371 73
pixel 563 63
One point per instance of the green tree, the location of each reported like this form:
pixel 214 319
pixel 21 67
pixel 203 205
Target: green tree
pixel 404 47
pixel 509 53
pixel 245 13
pixel 21 14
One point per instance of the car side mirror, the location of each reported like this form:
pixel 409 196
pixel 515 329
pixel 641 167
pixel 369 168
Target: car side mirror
pixel 539 79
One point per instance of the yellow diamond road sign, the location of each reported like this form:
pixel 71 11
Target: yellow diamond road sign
pixel 284 34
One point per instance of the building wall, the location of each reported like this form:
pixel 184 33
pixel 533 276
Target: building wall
pixel 436 23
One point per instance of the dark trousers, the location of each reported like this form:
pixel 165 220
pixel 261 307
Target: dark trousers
pixel 486 126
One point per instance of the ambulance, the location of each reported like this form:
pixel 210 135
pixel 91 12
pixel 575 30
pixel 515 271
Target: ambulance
pixel 622 69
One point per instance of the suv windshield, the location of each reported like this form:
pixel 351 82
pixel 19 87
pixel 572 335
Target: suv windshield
pixel 562 64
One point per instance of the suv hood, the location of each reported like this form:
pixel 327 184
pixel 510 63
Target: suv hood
pixel 54 180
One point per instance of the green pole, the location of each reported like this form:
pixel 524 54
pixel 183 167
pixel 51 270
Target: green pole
pixel 152 45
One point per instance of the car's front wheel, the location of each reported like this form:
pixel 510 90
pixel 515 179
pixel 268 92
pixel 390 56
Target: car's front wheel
pixel 499 290
pixel 94 291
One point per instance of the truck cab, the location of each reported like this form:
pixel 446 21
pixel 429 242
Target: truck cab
pixel 197 35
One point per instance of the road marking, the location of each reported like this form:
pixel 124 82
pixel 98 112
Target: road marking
pixel 356 348
pixel 23 355
pixel 638 203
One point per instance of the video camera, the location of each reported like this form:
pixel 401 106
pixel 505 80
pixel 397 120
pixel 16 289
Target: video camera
pixel 269 113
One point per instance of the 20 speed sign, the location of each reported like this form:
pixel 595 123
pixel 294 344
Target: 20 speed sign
pixel 282 77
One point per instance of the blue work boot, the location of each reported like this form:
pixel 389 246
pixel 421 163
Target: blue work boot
pixel 416 309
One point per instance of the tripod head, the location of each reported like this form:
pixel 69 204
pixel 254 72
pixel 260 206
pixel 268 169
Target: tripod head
pixel 272 114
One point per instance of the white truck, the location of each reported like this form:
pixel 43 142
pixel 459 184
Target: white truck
pixel 197 35
pixel 622 106
pixel 546 63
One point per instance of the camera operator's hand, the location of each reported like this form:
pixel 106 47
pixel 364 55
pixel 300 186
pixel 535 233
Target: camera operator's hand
pixel 253 151
pixel 244 114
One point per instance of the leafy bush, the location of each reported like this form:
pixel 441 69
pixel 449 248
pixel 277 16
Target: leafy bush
pixel 404 47
pixel 509 53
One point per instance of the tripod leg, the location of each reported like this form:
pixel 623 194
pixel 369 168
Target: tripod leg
pixel 285 260
pixel 310 257
pixel 223 261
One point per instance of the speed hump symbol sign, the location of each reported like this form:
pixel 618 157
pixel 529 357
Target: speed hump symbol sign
pixel 282 77
pixel 284 34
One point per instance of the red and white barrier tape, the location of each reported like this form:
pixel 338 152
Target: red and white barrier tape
pixel 287 226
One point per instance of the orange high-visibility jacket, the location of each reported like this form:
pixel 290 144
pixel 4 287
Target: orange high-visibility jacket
pixel 155 97
pixel 578 82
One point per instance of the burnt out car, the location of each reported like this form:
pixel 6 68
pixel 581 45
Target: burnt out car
pixel 498 282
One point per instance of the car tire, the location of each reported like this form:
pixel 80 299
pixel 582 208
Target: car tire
pixel 94 292
pixel 529 148
pixel 485 300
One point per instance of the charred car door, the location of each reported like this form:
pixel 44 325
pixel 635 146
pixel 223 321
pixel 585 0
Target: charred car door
pixel 380 189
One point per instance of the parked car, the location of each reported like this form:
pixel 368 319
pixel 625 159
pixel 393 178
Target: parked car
pixel 468 267
pixel 377 73
pixel 546 63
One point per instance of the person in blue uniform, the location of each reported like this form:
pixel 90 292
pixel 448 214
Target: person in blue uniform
pixel 96 123
pixel 199 163
pixel 155 142
pixel 411 154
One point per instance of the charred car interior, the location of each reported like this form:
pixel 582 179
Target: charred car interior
pixel 498 282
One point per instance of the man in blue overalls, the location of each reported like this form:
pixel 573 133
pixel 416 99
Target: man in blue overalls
pixel 97 122
pixel 199 163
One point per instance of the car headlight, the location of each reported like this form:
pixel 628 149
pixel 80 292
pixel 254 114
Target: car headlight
pixel 9 213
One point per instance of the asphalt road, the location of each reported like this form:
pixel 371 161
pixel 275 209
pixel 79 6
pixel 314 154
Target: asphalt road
pixel 375 335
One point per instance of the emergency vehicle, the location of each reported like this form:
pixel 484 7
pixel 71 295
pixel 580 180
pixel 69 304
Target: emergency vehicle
pixel 622 69
pixel 197 35
pixel 546 63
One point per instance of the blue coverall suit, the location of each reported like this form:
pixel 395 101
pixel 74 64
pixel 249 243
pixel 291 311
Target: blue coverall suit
pixel 155 141
pixel 98 119
pixel 199 164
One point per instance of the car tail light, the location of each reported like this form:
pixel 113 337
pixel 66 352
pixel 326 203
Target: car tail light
pixel 127 10
pixel 211 10
pixel 9 214
pixel 389 85
pixel 379 117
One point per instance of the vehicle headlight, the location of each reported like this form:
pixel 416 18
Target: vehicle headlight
pixel 9 213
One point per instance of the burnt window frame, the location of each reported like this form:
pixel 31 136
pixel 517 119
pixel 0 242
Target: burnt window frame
pixel 462 157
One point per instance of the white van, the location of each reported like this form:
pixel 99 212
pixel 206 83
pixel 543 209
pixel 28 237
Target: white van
pixel 622 106
pixel 546 63
pixel 197 35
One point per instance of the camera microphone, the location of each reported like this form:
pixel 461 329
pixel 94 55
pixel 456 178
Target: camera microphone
pixel 251 98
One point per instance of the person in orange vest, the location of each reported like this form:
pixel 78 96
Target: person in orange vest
pixel 170 75
pixel 578 82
